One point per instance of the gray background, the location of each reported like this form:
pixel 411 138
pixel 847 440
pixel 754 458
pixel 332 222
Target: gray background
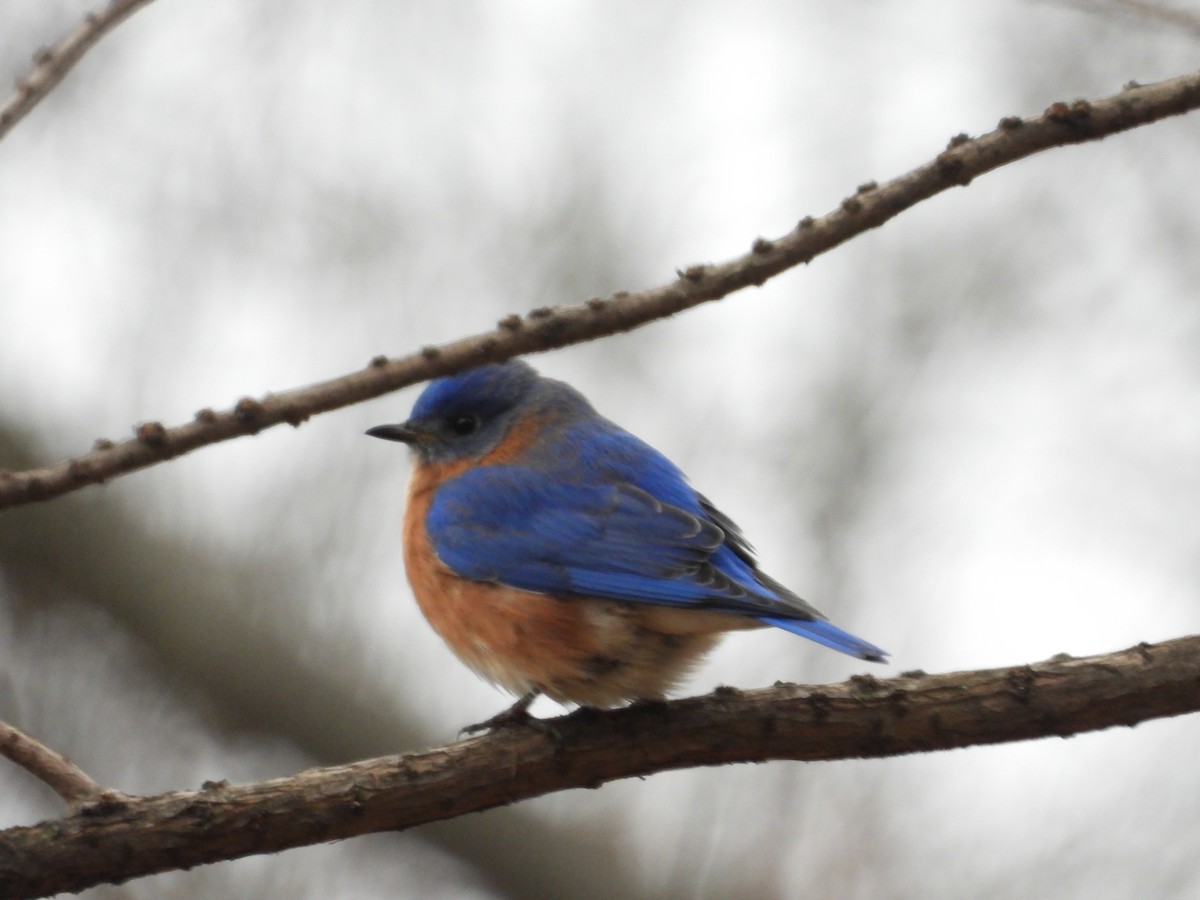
pixel 971 436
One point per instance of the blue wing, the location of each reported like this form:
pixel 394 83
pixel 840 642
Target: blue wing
pixel 606 515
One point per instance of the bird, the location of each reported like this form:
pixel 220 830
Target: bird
pixel 557 554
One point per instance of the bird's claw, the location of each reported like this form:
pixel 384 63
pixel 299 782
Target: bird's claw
pixel 516 716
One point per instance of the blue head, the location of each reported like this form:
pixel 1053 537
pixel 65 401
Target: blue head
pixel 465 416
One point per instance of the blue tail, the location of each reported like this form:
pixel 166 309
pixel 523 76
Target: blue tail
pixel 830 635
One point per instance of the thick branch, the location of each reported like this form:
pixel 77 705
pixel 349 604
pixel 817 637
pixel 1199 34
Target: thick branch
pixel 544 329
pixel 51 64
pixel 863 717
pixel 61 775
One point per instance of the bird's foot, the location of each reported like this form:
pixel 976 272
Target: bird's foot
pixel 516 716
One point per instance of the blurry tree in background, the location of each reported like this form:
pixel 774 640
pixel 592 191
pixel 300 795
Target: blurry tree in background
pixel 971 436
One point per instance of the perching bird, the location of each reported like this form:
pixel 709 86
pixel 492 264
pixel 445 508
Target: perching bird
pixel 556 553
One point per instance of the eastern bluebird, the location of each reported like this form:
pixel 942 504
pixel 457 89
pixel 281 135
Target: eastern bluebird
pixel 556 553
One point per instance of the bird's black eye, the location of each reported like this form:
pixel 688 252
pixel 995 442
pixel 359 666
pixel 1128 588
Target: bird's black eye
pixel 464 425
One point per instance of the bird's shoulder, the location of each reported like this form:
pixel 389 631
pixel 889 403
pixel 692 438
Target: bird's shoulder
pixel 579 457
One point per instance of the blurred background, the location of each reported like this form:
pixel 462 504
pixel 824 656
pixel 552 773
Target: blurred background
pixel 970 437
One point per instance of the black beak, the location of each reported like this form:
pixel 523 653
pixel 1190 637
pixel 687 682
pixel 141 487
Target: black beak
pixel 402 433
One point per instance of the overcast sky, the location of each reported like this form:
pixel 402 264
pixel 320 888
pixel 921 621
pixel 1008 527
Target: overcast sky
pixel 970 436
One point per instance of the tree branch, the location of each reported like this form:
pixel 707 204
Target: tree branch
pixel 51 64
pixel 543 329
pixel 863 717
pixel 63 777
pixel 1161 13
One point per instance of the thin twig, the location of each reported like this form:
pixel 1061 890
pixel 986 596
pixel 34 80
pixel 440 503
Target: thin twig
pixel 1160 13
pixel 863 717
pixel 63 777
pixel 543 329
pixel 51 64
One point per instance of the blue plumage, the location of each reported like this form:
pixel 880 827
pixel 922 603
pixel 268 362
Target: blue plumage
pixel 589 510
